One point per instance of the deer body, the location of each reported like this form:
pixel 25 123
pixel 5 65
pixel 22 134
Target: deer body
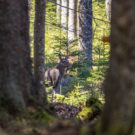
pixel 54 75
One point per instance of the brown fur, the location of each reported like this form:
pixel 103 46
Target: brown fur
pixel 54 75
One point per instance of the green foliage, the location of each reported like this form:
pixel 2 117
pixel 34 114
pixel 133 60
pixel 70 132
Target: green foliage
pixel 74 98
pixel 95 103
pixel 85 82
pixel 92 109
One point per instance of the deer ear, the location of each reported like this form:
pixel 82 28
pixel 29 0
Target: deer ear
pixel 60 56
pixel 66 57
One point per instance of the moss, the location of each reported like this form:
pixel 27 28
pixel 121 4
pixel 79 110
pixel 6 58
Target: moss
pixel 85 114
pixel 93 108
pixel 84 130
pixel 98 127
pixel 117 129
pixel 134 129
pixel 93 102
pixel 38 115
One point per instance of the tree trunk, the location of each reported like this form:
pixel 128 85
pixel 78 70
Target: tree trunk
pixel 78 3
pixel 64 13
pixel 16 80
pixel 119 113
pixel 108 8
pixel 39 48
pixel 75 17
pixel 58 11
pixel 85 28
pixel 29 4
pixel 71 21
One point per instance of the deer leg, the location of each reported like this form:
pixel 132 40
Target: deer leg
pixel 60 89
pixel 57 86
pixel 53 95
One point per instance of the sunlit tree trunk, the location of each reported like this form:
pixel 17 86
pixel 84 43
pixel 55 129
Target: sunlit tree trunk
pixel 39 48
pixel 78 2
pixel 29 4
pixel 108 8
pixel 71 20
pixel 85 28
pixel 75 17
pixel 64 13
pixel 58 11
pixel 16 80
pixel 119 112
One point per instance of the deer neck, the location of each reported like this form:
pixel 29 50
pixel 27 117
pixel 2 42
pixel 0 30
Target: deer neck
pixel 61 68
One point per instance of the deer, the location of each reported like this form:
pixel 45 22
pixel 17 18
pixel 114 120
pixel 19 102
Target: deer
pixel 54 75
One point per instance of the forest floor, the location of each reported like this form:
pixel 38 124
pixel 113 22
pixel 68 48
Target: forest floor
pixel 37 122
pixel 63 127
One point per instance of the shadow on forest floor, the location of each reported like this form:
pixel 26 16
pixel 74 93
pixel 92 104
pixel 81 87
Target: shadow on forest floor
pixel 61 119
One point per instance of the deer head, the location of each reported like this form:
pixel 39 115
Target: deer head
pixel 64 62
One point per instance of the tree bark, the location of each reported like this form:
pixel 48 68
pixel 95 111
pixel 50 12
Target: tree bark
pixel 119 112
pixel 78 3
pixel 16 80
pixel 71 20
pixel 39 48
pixel 85 28
pixel 75 17
pixel 108 8
pixel 58 11
pixel 29 4
pixel 64 14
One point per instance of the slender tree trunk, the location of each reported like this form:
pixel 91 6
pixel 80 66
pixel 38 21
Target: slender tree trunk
pixel 16 80
pixel 71 21
pixel 39 48
pixel 58 11
pixel 85 28
pixel 78 3
pixel 64 13
pixel 108 8
pixel 29 4
pixel 75 17
pixel 119 113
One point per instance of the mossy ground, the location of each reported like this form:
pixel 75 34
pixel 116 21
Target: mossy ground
pixel 41 122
